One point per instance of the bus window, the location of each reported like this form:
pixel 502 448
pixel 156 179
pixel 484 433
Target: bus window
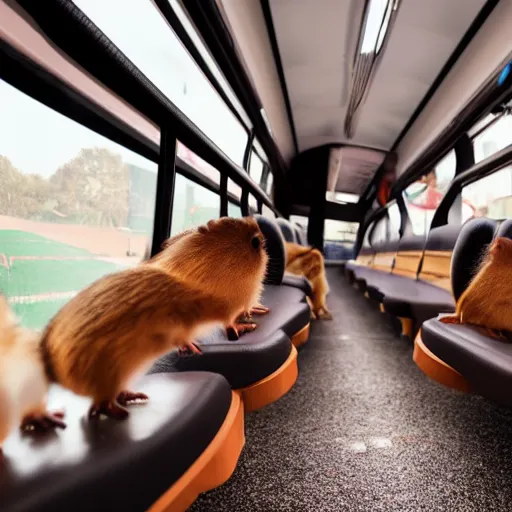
pixel 494 138
pixel 267 212
pixel 73 206
pixel 395 220
pixel 193 205
pixel 339 239
pixel 255 168
pixel 144 36
pixel 195 161
pixel 489 197
pixel 234 210
pixel 253 204
pixel 423 196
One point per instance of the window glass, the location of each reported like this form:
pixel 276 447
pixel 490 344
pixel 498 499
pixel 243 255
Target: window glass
pixel 301 220
pixel 270 181
pixel 494 138
pixel 267 212
pixel 145 37
pixel 234 189
pixel 395 219
pixel 73 206
pixel 255 168
pixel 380 232
pixel 197 163
pixel 489 197
pixel 193 205
pixel 423 196
pixel 341 197
pixel 203 50
pixel 253 203
pixel 257 146
pixel 339 239
pixel 234 210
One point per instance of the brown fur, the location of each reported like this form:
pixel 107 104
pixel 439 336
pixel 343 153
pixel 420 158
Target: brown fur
pixel 23 385
pixel 120 324
pixel 309 262
pixel 487 301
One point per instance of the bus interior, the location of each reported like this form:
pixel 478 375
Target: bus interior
pixel 375 135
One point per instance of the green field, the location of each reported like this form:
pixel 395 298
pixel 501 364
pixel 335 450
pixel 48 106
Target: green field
pixel 27 280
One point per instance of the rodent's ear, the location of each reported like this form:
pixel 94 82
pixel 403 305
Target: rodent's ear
pixel 202 229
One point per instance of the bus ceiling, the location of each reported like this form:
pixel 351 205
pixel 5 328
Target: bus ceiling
pixel 364 78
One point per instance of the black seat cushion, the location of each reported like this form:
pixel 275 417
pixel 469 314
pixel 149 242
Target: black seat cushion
pixel 386 283
pixel 368 276
pixel 486 363
pixel 274 296
pixel 253 357
pixel 418 300
pixel 115 465
pixel 300 282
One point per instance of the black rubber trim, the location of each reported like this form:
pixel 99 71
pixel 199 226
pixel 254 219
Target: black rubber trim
pixel 464 42
pixel 164 189
pixel 223 195
pixel 247 154
pixel 267 14
pixel 70 29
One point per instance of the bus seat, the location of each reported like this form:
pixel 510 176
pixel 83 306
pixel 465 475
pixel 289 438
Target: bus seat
pixel 300 234
pixel 459 355
pixel 287 230
pixel 185 440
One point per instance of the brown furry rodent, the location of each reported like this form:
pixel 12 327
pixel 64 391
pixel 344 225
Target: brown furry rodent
pixel 486 302
pixel 115 328
pixel 309 262
pixel 23 383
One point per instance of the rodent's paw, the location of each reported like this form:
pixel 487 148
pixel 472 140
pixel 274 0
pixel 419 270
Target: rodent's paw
pixel 42 422
pixel 259 309
pixel 236 330
pixel 189 349
pixel 109 409
pixel 130 398
pixel 323 314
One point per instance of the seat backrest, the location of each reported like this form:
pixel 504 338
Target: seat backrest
pixel 274 244
pixel 287 230
pixel 472 242
pixel 437 256
pixel 300 234
pixel 408 256
pixel 385 253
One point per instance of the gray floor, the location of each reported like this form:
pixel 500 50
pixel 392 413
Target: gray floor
pixel 363 430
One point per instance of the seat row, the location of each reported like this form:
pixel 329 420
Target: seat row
pixel 418 284
pixel 187 438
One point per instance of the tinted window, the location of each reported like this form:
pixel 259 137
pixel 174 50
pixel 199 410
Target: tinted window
pixel 193 205
pixel 144 36
pixel 493 139
pixel 234 210
pixel 423 197
pixel 489 197
pixel 339 239
pixel 73 206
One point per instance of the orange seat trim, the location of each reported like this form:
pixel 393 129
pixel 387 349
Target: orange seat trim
pixel 437 369
pixel 212 468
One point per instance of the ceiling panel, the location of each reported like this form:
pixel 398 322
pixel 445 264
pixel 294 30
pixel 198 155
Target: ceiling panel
pixel 317 42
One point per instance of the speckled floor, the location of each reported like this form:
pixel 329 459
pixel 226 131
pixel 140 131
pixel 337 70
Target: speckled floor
pixel 364 430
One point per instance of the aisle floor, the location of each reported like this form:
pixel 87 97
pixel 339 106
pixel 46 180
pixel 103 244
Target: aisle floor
pixel 365 430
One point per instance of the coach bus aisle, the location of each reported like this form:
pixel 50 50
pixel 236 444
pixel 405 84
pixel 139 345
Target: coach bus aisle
pixel 364 429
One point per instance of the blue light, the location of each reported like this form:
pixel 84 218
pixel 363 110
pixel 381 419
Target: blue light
pixel 504 74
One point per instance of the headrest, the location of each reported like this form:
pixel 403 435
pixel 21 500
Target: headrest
pixel 505 229
pixel 287 230
pixel 443 238
pixel 300 234
pixel 275 249
pixel 474 237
